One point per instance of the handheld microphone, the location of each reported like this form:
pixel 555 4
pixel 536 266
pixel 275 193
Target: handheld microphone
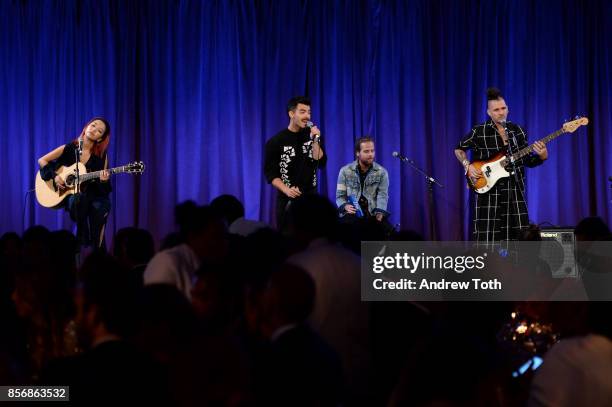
pixel 310 125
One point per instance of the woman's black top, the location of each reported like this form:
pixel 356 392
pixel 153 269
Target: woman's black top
pixel 93 188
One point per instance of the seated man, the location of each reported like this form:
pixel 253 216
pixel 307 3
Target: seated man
pixel 363 185
pixel 232 211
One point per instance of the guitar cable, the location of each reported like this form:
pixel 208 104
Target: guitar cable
pixel 25 203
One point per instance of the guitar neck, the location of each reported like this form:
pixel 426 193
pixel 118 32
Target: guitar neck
pixel 96 174
pixel 528 150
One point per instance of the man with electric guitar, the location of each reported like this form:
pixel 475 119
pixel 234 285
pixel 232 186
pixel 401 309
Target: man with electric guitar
pixel 500 152
pixel 501 210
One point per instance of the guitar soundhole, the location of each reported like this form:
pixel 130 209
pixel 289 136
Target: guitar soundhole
pixel 70 180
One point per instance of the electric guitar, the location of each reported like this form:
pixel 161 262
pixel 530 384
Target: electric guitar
pixel 49 196
pixel 498 166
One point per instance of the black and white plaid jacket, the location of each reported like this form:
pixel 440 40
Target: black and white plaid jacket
pixel 485 141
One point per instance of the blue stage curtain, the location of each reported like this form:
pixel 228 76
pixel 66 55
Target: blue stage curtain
pixel 195 88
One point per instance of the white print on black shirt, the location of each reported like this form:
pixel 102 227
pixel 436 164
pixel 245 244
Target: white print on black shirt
pixel 307 149
pixel 285 159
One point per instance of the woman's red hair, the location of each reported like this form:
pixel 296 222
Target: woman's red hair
pixel 100 147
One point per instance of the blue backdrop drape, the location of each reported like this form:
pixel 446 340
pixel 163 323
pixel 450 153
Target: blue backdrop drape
pixel 194 89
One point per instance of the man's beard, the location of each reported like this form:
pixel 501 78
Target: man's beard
pixel 366 163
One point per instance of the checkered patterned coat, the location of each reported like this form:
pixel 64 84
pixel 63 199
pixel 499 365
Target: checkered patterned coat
pixel 500 213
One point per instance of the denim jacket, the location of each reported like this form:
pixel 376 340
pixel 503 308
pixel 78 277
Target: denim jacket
pixel 376 187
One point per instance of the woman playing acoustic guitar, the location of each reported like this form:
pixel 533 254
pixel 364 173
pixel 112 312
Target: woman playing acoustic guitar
pixel 91 207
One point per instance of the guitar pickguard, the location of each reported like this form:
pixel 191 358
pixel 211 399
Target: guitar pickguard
pixel 507 166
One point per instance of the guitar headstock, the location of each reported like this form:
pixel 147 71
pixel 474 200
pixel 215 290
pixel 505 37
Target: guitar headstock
pixel 571 127
pixel 136 167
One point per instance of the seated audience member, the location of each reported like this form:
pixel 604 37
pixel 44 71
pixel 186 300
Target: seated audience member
pixel 204 243
pixel 42 296
pixel 577 370
pixel 215 298
pixel 134 248
pixel 298 368
pixel 592 229
pixel 232 211
pixel 11 245
pixel 182 215
pixel 110 368
pixel 339 315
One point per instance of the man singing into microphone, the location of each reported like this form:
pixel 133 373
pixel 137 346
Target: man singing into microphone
pixel 501 212
pixel 293 156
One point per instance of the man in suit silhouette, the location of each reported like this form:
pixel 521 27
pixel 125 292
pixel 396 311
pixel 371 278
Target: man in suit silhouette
pixel 110 369
pixel 298 367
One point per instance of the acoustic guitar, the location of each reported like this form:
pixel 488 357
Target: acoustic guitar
pixel 49 196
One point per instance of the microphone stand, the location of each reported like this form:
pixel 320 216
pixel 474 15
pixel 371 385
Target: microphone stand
pixel 77 157
pixel 77 198
pixel 430 197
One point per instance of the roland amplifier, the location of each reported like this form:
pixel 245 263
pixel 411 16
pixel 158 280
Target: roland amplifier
pixel 559 251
